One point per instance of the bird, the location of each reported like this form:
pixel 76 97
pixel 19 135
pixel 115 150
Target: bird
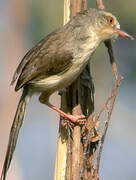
pixel 56 61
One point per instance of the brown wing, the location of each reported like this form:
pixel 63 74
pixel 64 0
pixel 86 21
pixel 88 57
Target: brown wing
pixel 49 57
pixel 26 58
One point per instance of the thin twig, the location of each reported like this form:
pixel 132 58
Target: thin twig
pixel 84 4
pixel 112 96
pixel 75 7
pixel 105 106
pixel 112 59
pixel 100 4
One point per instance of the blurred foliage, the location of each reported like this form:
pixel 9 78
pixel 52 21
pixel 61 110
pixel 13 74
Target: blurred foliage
pixel 46 16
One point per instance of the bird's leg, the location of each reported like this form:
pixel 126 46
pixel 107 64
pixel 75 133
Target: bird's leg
pixel 44 99
pixel 73 119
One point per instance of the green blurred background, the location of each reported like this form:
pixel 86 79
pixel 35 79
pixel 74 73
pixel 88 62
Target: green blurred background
pixel 22 24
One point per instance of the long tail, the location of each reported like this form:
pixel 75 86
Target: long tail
pixel 17 123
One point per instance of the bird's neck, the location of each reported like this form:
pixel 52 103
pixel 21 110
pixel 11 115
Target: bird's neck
pixel 87 48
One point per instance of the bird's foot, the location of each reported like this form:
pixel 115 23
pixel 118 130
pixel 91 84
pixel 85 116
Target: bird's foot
pixel 80 119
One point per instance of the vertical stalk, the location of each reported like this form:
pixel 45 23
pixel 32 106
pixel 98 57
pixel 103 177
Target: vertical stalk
pixel 77 99
pixel 61 154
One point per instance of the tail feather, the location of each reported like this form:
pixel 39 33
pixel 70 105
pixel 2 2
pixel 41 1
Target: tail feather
pixel 17 123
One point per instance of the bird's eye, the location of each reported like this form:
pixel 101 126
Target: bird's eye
pixel 110 20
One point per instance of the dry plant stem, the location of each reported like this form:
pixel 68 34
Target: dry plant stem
pixel 76 90
pixel 108 100
pixel 69 157
pixel 112 97
pixel 75 7
pixel 84 4
pixel 76 135
pixel 105 129
pixel 79 93
pixel 100 4
pixel 112 59
pixel 61 154
pixel 66 11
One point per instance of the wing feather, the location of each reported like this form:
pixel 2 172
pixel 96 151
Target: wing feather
pixel 50 56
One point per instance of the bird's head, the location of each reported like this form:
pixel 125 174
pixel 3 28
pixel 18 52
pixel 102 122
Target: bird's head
pixel 107 26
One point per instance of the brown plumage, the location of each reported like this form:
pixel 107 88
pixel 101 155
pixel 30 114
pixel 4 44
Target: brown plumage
pixel 40 60
pixel 56 61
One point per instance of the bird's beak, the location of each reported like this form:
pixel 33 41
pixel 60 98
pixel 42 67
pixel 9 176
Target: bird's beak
pixel 124 34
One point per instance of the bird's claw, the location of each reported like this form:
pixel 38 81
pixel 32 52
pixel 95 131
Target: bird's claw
pixel 79 119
